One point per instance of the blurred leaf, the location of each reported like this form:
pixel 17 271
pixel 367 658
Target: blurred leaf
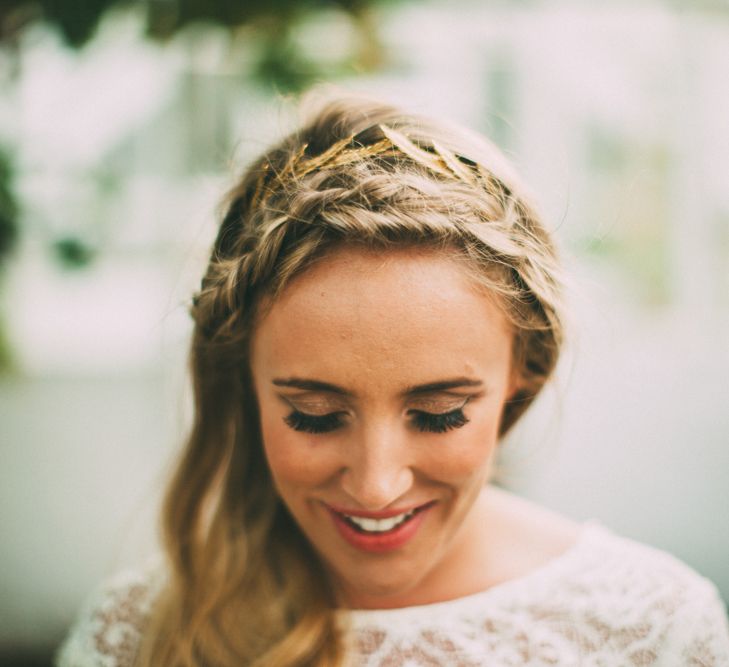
pixel 6 351
pixel 280 64
pixel 166 17
pixel 8 210
pixel 76 19
pixel 73 253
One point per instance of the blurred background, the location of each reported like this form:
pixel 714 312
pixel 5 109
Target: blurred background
pixel 122 124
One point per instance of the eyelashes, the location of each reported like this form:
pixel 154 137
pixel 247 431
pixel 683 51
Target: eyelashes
pixel 300 421
pixel 429 422
pixel 426 422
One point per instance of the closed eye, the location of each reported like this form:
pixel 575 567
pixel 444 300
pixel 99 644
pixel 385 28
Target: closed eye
pixel 426 422
pixel 429 422
pixel 300 421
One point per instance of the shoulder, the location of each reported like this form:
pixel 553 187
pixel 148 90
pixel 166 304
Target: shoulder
pixel 607 591
pixel 593 558
pixel 109 627
pixel 631 593
pixel 635 569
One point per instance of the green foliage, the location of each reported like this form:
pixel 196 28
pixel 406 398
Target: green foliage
pixel 73 253
pixel 270 25
pixel 279 63
pixel 8 210
pixel 76 19
pixel 7 361
pixel 8 240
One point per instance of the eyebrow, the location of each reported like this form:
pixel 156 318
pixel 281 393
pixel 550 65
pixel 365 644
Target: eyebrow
pixel 442 385
pixel 415 390
pixel 310 385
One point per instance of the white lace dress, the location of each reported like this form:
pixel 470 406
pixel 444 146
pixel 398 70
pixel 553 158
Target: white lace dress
pixel 607 602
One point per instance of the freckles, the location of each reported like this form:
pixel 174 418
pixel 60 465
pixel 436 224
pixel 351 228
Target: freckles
pixel 292 459
pixel 281 454
pixel 462 463
pixel 465 457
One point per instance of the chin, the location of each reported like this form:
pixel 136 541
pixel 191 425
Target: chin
pixel 380 585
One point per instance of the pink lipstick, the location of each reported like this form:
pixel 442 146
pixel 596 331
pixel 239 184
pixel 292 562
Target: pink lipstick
pixel 379 532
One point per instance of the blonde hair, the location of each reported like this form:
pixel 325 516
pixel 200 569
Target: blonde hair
pixel 246 587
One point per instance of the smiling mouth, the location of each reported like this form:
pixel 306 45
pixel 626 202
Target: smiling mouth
pixel 370 526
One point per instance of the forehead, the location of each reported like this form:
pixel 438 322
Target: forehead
pixel 360 316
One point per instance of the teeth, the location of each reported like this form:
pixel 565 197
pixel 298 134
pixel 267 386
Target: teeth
pixel 379 525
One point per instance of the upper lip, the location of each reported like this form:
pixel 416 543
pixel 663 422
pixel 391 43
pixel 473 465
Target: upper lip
pixel 381 514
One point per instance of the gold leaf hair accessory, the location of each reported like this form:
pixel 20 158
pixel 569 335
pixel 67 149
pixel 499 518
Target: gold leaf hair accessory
pixel 351 151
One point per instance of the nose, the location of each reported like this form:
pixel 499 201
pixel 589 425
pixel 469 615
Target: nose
pixel 378 470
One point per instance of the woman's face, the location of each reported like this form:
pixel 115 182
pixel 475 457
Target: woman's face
pixel 380 380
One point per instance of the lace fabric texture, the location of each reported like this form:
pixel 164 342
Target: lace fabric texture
pixel 607 602
pixel 109 627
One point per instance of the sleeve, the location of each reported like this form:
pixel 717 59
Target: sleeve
pixel 108 630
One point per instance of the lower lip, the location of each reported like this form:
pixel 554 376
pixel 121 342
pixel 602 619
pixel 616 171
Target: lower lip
pixel 380 542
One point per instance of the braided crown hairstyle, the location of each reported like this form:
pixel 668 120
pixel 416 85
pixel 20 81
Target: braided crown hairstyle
pixel 246 588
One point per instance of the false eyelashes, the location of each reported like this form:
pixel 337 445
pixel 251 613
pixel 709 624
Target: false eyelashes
pixel 429 422
pixel 426 422
pixel 300 421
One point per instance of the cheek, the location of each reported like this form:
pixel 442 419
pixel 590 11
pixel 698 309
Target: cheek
pixel 467 453
pixel 294 460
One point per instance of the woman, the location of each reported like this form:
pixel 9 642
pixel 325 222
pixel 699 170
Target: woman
pixel 381 306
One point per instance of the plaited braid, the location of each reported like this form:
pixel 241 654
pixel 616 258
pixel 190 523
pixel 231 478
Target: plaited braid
pixel 376 193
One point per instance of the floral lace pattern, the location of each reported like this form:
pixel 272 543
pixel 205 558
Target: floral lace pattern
pixel 607 602
pixel 109 628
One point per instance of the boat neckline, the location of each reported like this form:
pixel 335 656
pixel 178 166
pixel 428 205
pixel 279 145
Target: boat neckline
pixel 586 535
